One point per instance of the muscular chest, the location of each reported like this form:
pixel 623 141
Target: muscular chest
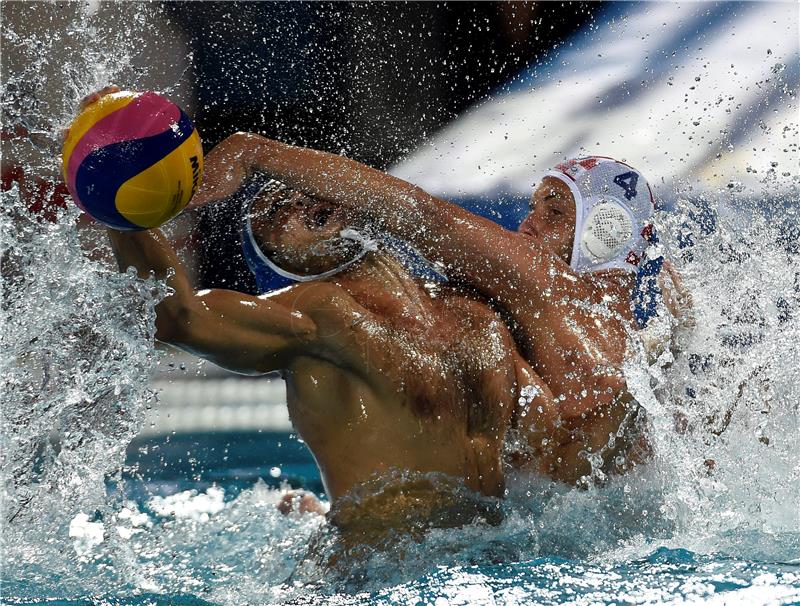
pixel 420 365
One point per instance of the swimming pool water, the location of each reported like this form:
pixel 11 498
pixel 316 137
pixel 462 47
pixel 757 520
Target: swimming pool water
pixel 193 519
pixel 202 528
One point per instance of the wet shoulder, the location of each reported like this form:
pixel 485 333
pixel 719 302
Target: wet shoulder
pixel 484 343
pixel 347 334
pixel 316 299
pixel 476 318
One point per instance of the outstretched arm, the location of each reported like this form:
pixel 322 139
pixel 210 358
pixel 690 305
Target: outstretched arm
pixel 244 334
pixel 494 260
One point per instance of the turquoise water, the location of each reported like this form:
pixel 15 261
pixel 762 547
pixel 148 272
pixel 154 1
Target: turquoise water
pixel 235 547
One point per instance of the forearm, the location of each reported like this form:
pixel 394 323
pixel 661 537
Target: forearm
pixel 318 174
pixel 441 231
pixel 245 334
pixel 149 252
pixel 468 247
pixel 384 199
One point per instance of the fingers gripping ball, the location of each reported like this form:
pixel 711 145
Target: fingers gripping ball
pixel 132 160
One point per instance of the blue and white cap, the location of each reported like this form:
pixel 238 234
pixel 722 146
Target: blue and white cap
pixel 613 213
pixel 262 265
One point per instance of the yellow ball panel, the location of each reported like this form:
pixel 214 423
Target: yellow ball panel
pixel 160 192
pixel 107 105
pixel 194 150
pixel 146 199
pixel 185 166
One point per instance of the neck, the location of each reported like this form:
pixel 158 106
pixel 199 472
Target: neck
pixel 381 283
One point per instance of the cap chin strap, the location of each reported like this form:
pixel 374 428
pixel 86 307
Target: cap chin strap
pixel 367 245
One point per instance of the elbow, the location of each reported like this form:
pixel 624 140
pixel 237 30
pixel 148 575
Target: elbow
pixel 244 140
pixel 174 322
pixel 241 141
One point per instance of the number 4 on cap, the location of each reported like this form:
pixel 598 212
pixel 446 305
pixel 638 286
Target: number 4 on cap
pixel 627 181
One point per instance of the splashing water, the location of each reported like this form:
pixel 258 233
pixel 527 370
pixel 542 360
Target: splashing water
pixel 728 426
pixel 77 338
pixel 716 509
pixel 77 353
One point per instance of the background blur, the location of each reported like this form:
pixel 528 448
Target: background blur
pixel 367 80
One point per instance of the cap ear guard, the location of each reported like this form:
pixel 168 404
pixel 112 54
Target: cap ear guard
pixel 606 225
pixel 610 233
pixel 607 231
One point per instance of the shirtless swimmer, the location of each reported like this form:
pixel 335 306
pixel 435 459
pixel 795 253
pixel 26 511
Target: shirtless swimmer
pixel 381 373
pixel 565 279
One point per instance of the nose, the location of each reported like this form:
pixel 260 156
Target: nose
pixel 527 227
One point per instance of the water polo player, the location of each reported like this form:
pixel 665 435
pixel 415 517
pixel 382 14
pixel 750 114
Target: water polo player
pixel 566 279
pixel 383 376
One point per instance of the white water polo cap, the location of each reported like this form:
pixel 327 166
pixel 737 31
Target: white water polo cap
pixel 613 212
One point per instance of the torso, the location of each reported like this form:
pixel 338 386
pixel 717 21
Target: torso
pixel 578 347
pixel 429 391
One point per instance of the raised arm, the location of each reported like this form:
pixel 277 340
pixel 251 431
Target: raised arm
pixel 471 248
pixel 244 334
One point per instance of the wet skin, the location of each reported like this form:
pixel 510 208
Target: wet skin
pixel 381 374
pixel 572 328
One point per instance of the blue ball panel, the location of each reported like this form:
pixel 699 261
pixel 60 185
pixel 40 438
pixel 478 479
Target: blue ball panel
pixel 104 171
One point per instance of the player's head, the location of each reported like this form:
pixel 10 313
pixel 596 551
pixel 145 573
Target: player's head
pixel 551 220
pixel 298 236
pixel 595 213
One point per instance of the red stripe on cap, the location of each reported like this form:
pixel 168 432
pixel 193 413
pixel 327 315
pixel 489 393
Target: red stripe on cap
pixel 589 163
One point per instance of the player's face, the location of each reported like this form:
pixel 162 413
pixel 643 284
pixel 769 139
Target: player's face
pixel 551 220
pixel 301 233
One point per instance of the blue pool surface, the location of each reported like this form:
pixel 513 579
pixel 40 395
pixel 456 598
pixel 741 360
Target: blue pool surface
pixel 477 575
pixel 234 461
